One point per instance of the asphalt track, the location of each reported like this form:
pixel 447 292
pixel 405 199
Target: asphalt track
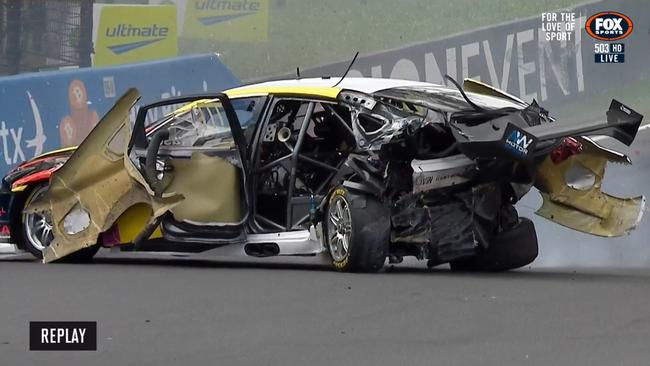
pixel 585 301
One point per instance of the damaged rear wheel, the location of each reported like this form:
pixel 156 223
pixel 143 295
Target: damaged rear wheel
pixel 510 249
pixel 358 231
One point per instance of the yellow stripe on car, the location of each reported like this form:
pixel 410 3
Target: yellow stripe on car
pixel 313 91
pixel 54 152
pixel 19 188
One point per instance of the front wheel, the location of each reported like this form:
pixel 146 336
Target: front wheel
pixel 358 231
pixel 37 231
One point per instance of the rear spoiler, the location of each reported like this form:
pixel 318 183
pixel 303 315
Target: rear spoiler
pixel 512 136
pixel 622 124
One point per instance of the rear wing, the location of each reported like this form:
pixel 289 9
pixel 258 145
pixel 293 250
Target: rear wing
pixel 622 124
pixel 512 136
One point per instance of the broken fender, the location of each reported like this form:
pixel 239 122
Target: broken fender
pixel 572 194
pixel 93 188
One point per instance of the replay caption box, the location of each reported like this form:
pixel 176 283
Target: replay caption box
pixel 62 336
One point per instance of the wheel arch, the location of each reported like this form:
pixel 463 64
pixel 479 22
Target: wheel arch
pixel 16 211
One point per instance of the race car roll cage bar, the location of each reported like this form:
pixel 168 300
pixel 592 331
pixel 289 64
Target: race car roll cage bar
pixel 290 163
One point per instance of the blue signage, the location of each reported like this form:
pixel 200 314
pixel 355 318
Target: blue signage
pixel 43 111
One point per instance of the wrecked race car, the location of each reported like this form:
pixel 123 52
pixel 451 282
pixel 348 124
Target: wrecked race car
pixel 361 170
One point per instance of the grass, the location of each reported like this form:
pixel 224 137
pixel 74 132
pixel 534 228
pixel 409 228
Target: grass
pixel 306 33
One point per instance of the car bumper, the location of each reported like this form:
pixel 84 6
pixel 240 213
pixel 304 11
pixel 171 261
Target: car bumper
pixel 8 248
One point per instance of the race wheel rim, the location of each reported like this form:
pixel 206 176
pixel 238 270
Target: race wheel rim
pixel 38 227
pixel 339 230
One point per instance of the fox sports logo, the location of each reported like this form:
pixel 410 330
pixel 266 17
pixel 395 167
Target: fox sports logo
pixel 608 26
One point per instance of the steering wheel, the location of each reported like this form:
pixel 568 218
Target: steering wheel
pixel 150 173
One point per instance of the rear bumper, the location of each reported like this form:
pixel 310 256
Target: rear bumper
pixel 8 248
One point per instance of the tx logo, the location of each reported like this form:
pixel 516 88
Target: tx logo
pixel 518 142
pixel 12 137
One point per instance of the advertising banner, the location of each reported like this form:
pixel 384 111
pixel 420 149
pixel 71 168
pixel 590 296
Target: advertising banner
pixel 231 21
pixel 549 57
pixel 127 34
pixel 44 111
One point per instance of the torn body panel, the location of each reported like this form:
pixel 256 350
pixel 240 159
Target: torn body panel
pixel 572 194
pixel 453 164
pixel 453 223
pixel 89 192
pixel 101 184
pixel 93 188
pixel 497 137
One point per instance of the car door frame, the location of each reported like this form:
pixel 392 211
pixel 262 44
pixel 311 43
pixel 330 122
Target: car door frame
pixel 139 134
pixel 140 141
pixel 255 151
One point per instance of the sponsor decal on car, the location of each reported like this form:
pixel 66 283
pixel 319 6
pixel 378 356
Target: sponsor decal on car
pixel 518 142
pixel 227 20
pixel 440 173
pixel 135 33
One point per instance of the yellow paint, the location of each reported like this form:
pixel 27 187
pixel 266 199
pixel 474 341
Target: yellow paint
pixel 189 106
pixel 131 222
pixel 257 90
pixel 128 33
pixel 227 20
pixel 101 186
pixel 19 188
pixel 55 152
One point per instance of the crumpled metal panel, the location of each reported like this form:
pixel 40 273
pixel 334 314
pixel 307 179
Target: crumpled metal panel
pixel 392 128
pixel 94 180
pixel 475 86
pixel 448 224
pixel 572 194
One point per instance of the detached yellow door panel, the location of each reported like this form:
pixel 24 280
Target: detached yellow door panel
pixel 93 187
